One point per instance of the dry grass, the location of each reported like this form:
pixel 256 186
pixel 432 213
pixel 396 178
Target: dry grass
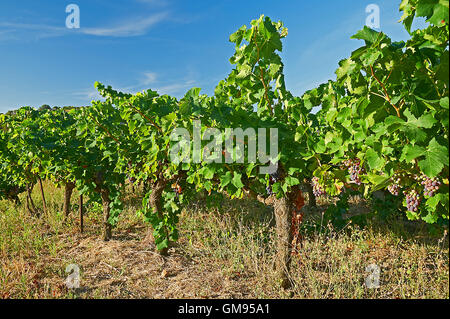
pixel 221 254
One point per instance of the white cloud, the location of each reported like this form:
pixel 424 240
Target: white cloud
pixel 129 28
pixel 88 94
pixel 175 88
pixel 21 30
pixel 6 35
pixel 134 27
pixel 149 78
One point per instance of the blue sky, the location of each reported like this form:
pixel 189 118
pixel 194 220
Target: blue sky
pixel 166 45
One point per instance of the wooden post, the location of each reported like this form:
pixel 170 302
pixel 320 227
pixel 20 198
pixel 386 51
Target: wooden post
pixel 42 195
pixel 311 197
pixel 69 187
pixel 30 204
pixel 81 214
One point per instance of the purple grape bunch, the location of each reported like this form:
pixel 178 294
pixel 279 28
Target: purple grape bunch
pixel 413 200
pixel 355 170
pixel 318 190
pixel 395 186
pixel 393 189
pixel 431 185
pixel 273 178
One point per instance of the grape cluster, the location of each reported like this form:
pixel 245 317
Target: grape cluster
pixel 318 190
pixel 355 169
pixel 347 163
pixel 395 186
pixel 393 189
pixel 413 200
pixel 431 185
pixel 273 178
